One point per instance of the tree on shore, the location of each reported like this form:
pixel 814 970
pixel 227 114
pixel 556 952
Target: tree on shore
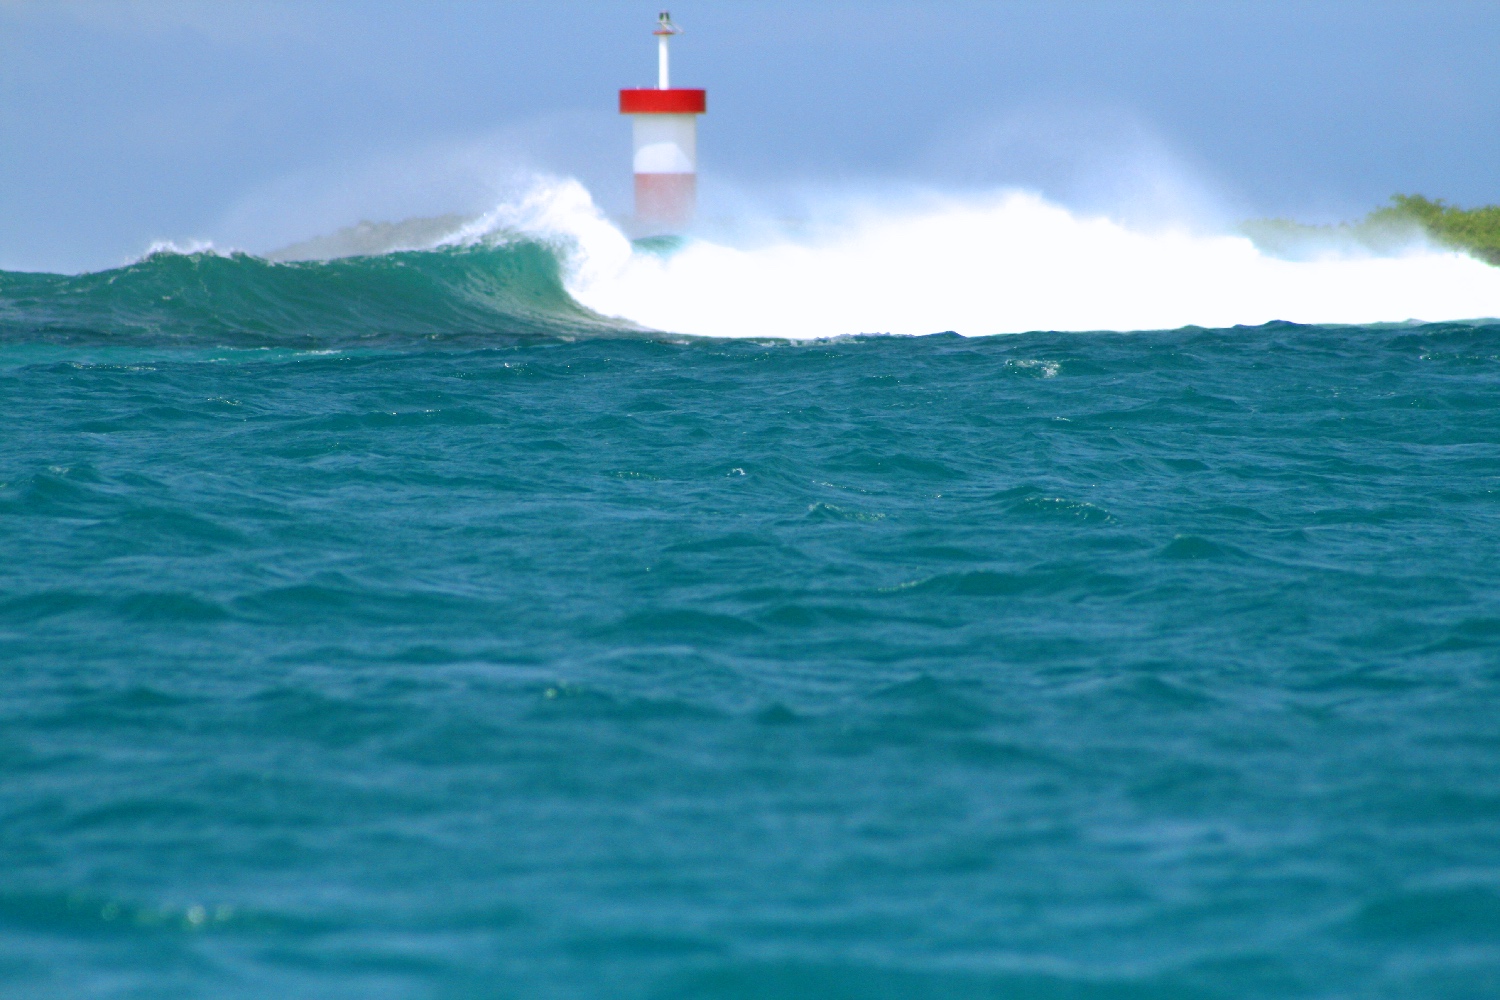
pixel 1476 230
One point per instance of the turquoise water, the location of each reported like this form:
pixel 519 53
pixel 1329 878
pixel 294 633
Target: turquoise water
pixel 396 629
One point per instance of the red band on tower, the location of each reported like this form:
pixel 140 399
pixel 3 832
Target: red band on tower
pixel 677 101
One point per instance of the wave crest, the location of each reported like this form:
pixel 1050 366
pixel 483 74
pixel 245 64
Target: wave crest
pixel 505 275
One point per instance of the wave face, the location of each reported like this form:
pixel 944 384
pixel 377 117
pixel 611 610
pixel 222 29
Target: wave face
pixel 454 294
pixel 549 264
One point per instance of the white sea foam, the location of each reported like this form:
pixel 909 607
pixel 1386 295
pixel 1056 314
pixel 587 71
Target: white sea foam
pixel 184 249
pixel 1004 262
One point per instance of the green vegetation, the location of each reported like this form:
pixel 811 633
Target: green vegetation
pixel 1408 222
pixel 1476 230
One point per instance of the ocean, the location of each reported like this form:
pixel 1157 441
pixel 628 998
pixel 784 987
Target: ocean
pixel 403 627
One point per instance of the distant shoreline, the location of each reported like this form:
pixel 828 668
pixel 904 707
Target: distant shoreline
pixel 1408 220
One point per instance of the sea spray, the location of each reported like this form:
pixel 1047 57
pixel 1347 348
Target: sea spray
pixel 1011 262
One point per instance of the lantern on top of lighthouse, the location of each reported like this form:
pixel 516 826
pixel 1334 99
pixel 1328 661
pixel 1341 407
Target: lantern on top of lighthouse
pixel 666 143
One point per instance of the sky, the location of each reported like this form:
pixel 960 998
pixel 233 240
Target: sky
pixel 257 124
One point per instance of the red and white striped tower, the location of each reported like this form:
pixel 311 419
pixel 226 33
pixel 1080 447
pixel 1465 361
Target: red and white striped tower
pixel 666 143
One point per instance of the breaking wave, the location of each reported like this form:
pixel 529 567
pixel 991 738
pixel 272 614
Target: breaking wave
pixel 549 263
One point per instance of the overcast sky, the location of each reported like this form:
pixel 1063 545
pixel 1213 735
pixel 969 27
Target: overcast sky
pixel 255 124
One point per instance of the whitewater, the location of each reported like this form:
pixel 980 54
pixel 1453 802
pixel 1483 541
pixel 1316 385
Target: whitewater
pixel 1003 262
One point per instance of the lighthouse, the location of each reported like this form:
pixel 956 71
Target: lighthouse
pixel 666 143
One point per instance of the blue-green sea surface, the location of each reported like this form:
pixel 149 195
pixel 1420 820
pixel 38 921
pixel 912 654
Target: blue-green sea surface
pixel 463 648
